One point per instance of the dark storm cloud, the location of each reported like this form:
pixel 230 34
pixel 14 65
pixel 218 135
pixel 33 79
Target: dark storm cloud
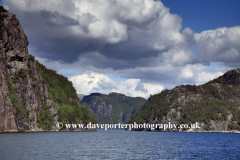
pixel 51 37
pixel 56 36
pixel 130 34
pixel 133 39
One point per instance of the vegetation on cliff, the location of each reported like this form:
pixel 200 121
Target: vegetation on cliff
pixel 73 113
pixel 186 104
pixel 151 108
pixel 62 92
pixel 19 110
pixel 214 105
pixel 60 89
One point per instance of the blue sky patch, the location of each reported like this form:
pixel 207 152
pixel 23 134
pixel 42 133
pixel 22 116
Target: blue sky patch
pixel 195 49
pixel 116 78
pixel 68 71
pixel 205 15
pixel 214 65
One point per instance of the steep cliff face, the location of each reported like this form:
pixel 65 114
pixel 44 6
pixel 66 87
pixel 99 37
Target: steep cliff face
pixel 112 108
pixel 214 105
pixel 23 92
pixel 16 84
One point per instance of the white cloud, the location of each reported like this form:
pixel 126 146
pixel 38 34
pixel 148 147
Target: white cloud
pixel 204 76
pixel 91 82
pixel 197 73
pixel 221 44
pixel 112 32
pixel 141 81
pixel 187 73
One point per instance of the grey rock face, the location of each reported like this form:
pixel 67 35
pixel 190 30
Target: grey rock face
pixel 101 108
pixel 231 77
pixel 112 108
pixel 14 65
pixel 14 44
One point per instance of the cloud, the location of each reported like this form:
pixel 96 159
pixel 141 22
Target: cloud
pixel 221 44
pixel 141 78
pixel 91 82
pixel 197 74
pixel 138 40
pixel 187 73
pixel 117 29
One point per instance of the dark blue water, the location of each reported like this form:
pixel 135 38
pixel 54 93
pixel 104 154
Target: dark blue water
pixel 119 144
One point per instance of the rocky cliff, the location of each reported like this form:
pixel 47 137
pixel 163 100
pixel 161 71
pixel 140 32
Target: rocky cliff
pixel 214 105
pixel 112 108
pixel 25 104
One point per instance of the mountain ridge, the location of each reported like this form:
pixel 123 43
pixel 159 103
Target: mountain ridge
pixel 112 108
pixel 215 105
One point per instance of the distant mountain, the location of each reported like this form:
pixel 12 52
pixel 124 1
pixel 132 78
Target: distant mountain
pixel 112 108
pixel 80 96
pixel 215 105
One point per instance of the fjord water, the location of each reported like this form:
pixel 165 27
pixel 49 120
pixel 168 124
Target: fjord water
pixel 119 144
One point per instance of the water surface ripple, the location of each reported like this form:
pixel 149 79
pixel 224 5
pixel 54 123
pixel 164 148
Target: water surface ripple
pixel 119 144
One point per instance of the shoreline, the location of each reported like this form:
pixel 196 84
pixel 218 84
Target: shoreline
pixel 18 131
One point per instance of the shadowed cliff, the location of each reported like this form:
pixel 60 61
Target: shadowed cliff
pixel 32 97
pixel 112 108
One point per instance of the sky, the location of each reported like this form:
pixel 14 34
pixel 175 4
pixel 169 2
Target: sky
pixel 134 47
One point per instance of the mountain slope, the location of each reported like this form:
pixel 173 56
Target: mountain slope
pixel 215 105
pixel 32 97
pixel 112 108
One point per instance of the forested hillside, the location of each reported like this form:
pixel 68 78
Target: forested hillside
pixel 112 108
pixel 62 92
pixel 216 105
